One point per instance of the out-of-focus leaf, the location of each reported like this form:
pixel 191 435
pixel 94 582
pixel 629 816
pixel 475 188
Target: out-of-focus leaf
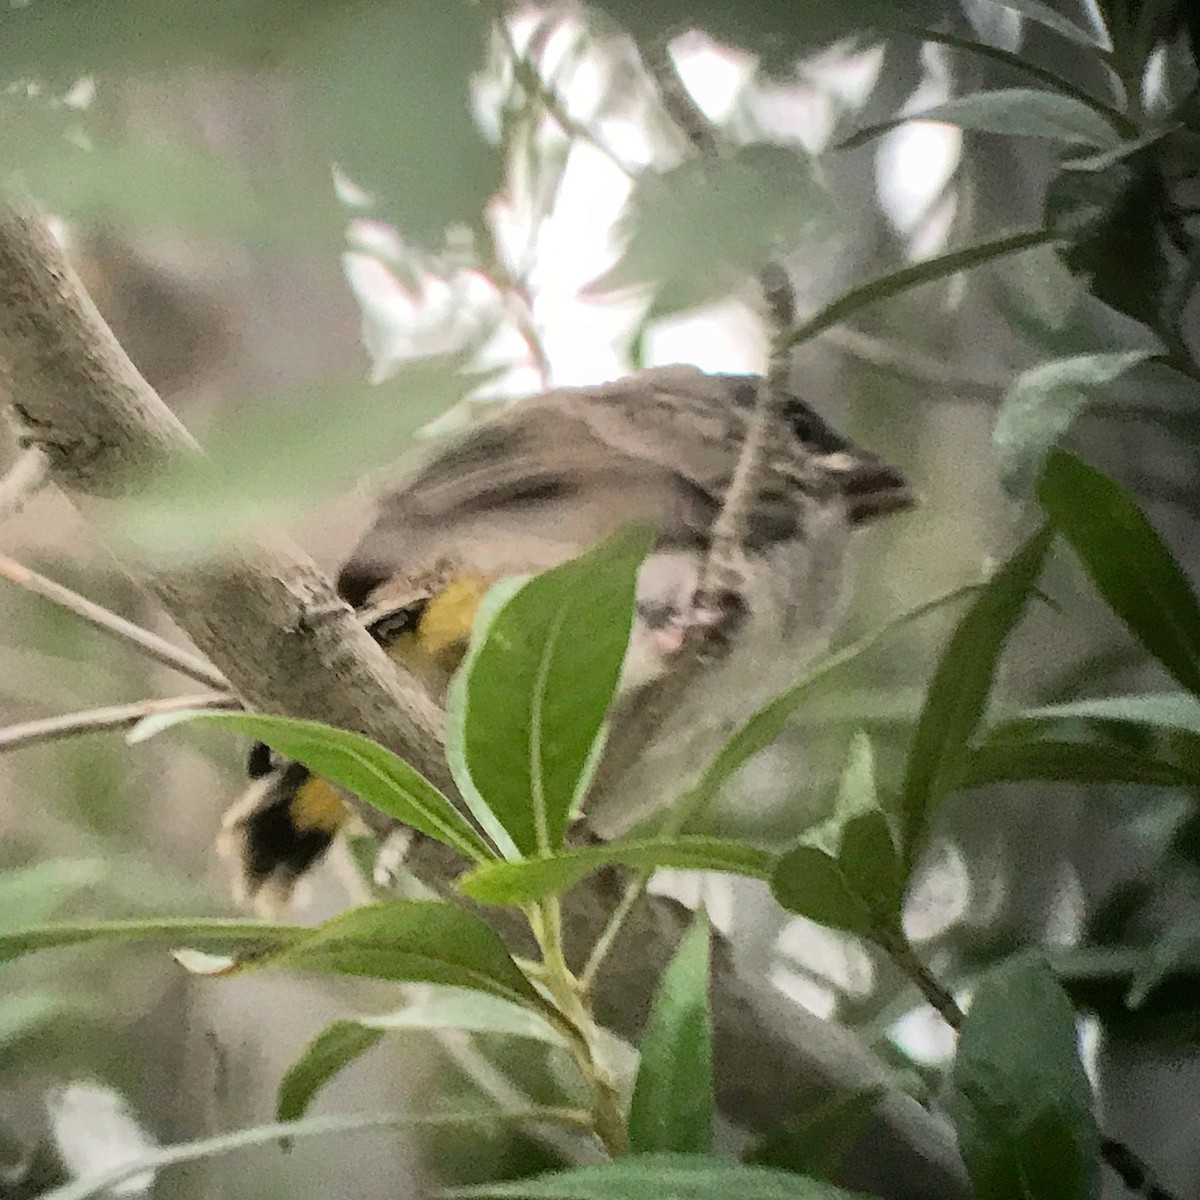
pixel 962 682
pixel 1018 112
pixel 1177 947
pixel 536 878
pixel 1060 760
pixel 217 932
pixel 472 1012
pixel 695 231
pixel 1051 18
pixel 1155 710
pixel 847 873
pixel 672 1105
pixel 1127 561
pixel 284 456
pixel 815 1141
pixel 329 1053
pixel 930 270
pixel 1020 1100
pixel 525 712
pixel 659 1176
pixel 763 726
pixel 370 771
pixel 1041 406
pixel 31 895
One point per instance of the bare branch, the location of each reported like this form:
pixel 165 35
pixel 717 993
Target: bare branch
pixel 25 479
pixel 147 642
pixel 101 720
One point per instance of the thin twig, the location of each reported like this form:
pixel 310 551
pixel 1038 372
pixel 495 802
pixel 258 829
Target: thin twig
pixel 150 644
pixel 25 478
pixel 679 104
pixel 1120 1159
pixel 99 720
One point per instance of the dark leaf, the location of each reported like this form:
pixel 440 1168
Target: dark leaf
pixel 1127 561
pixel 672 1105
pixel 332 1050
pixel 1020 1101
pixel 962 682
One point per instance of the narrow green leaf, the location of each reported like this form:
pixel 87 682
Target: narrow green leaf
pixel 1060 760
pixel 1175 948
pixel 661 1177
pixel 672 1106
pixel 764 725
pixel 226 935
pixel 1020 1100
pixel 962 681
pixel 1161 711
pixel 31 895
pixel 331 1051
pixel 1031 70
pixel 531 879
pixel 525 714
pixel 817 1140
pixel 905 279
pixel 1127 561
pixel 1017 112
pixel 1041 406
pixel 414 941
pixel 1051 18
pixel 362 766
pixel 472 1012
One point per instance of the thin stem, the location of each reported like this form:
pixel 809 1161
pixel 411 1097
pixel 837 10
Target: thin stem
pixel 565 991
pixel 100 720
pixel 25 478
pixel 604 943
pixel 150 644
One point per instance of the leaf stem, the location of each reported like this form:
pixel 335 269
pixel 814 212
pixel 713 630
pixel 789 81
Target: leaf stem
pixel 604 943
pixel 608 1118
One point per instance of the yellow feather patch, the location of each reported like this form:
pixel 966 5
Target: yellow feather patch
pixel 317 805
pixel 445 625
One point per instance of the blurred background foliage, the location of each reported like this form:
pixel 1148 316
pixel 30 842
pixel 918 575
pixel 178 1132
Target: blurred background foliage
pixel 490 199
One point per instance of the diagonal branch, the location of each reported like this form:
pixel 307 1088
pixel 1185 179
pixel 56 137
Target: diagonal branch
pixel 24 479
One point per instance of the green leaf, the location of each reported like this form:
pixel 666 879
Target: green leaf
pixel 1127 561
pixel 764 725
pixel 662 1177
pixel 371 772
pixel 331 1051
pixel 695 231
pixel 1020 1101
pixel 31 895
pixel 222 934
pixel 1041 406
pixel 1051 18
pixel 847 873
pixel 930 270
pixel 531 879
pixel 1062 760
pixel 1175 948
pixel 672 1105
pixel 472 1012
pixel 414 941
pixel 817 1140
pixel 958 694
pixel 1020 112
pixel 526 711
pixel 1169 711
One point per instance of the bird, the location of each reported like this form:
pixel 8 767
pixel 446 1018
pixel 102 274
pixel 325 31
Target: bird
pixel 545 480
